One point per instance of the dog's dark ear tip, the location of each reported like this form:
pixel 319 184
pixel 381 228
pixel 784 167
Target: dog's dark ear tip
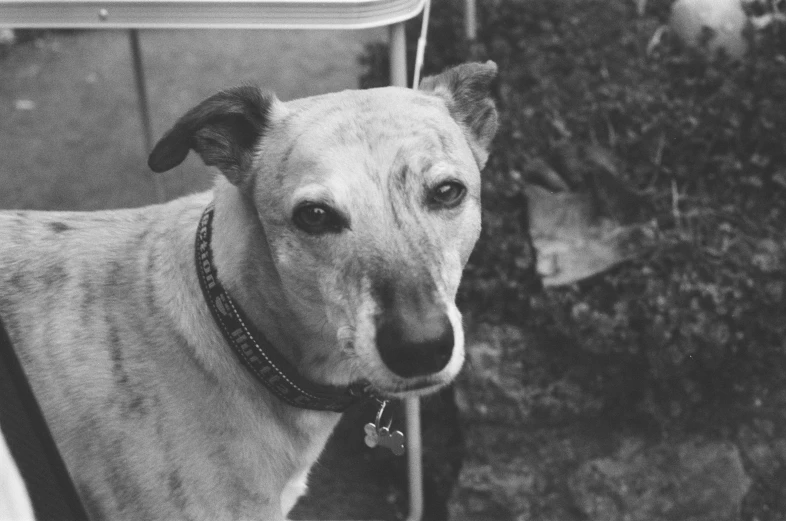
pixel 165 156
pixel 157 163
pixel 223 130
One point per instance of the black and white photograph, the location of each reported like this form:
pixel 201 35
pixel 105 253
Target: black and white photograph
pixel 393 260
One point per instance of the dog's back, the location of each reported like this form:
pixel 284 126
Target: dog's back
pixel 82 299
pixel 61 270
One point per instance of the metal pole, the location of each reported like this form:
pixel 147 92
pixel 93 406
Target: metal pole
pixel 470 20
pixel 414 459
pixel 144 111
pixel 398 78
pixel 398 55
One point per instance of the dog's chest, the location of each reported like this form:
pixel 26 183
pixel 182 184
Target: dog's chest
pixel 294 488
pixel 316 428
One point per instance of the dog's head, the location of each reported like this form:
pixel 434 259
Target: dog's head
pixel 370 206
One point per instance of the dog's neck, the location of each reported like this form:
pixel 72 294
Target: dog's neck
pixel 248 273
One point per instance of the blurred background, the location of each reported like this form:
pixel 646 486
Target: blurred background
pixel 625 304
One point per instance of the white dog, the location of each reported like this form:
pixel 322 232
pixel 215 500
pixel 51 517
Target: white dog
pixel 191 358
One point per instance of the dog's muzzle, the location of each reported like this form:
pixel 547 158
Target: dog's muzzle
pixel 414 334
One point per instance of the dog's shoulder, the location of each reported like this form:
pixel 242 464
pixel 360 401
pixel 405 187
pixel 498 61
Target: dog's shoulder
pixel 24 232
pixel 54 255
pixel 45 248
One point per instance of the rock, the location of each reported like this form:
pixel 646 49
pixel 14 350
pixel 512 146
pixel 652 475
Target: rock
pixel 495 490
pixel 508 380
pixel 538 447
pixel 692 481
pixel 725 19
pixel 510 474
pixel 507 387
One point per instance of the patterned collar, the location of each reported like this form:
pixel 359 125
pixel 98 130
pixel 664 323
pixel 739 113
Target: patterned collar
pixel 255 352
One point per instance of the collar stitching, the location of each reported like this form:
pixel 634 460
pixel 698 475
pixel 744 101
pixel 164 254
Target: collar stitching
pixel 328 399
pixel 262 352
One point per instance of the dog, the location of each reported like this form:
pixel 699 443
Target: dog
pixel 340 228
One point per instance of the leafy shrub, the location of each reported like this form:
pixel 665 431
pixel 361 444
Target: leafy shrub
pixel 693 335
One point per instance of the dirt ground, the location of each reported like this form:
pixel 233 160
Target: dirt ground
pixel 70 139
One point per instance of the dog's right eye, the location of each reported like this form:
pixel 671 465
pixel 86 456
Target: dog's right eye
pixel 317 218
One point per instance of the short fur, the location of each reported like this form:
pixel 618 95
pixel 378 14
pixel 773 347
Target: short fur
pixel 153 414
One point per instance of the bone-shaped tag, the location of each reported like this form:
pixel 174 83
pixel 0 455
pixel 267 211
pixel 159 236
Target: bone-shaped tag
pixel 372 436
pixel 376 435
pixel 391 440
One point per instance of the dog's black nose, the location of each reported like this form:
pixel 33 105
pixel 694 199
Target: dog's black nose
pixel 415 347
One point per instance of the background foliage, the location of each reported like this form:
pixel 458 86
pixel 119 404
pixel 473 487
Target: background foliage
pixel 692 336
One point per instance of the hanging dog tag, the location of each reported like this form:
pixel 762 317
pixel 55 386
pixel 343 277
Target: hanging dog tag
pixel 377 435
pixel 392 440
pixel 372 436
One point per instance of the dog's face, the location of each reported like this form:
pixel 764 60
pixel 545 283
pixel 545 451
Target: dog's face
pixel 370 205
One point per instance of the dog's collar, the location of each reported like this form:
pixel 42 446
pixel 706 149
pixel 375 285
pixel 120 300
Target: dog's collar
pixel 254 351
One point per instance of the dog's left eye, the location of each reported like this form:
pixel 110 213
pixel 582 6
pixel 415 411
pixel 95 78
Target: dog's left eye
pixel 317 218
pixel 447 195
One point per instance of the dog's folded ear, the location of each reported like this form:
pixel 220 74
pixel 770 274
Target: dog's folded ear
pixel 224 130
pixel 466 89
